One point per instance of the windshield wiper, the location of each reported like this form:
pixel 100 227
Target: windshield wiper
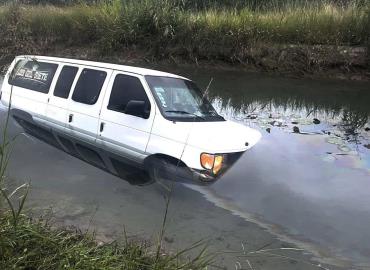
pixel 185 112
pixel 215 115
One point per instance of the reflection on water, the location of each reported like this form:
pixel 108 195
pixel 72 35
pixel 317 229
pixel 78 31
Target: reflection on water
pixel 340 110
pixel 341 104
pixel 309 176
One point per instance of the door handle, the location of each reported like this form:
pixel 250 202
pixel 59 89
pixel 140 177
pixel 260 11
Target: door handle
pixel 70 119
pixel 102 124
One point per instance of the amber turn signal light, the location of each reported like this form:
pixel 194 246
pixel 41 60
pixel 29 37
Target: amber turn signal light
pixel 207 160
pixel 217 164
pixel 211 162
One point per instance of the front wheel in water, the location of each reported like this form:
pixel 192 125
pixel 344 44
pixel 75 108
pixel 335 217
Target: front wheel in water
pixel 158 170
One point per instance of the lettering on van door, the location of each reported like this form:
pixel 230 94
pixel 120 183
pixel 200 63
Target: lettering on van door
pixel 34 75
pixel 40 76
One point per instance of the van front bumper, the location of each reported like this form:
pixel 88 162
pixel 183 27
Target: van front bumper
pixel 203 176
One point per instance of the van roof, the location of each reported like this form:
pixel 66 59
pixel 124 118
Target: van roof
pixel 131 69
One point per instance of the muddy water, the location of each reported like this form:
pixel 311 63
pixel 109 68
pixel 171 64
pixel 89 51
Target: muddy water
pixel 306 184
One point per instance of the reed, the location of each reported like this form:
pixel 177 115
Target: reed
pixel 37 245
pixel 166 28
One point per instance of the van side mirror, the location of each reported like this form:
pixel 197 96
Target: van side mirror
pixel 137 108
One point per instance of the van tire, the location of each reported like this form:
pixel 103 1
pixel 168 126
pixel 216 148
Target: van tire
pixel 157 170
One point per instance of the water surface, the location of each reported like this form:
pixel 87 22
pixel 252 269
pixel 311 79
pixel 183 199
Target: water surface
pixel 313 184
pixel 306 183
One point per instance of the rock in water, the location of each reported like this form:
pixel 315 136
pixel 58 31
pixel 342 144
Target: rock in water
pixel 252 116
pixel 268 130
pixel 316 121
pixel 296 129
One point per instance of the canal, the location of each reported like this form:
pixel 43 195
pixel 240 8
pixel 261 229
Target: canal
pixel 306 184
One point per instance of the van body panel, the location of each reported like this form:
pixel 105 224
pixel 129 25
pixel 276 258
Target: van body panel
pixel 92 64
pixel 172 130
pixel 124 133
pixel 222 137
pixel 168 137
pixel 34 102
pixel 83 119
pixel 162 145
pixel 188 157
pixel 58 108
pixel 108 137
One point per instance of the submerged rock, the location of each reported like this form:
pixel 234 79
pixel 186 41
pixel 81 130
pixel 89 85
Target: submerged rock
pixel 304 121
pixel 335 140
pixel 169 239
pixel 367 146
pixel 252 116
pixel 344 148
pixel 276 123
pixel 316 121
pixel 328 158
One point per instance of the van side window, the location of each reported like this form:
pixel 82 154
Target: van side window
pixel 88 86
pixel 33 75
pixel 65 81
pixel 126 88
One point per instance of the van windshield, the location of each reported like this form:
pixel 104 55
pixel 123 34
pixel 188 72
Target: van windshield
pixel 181 100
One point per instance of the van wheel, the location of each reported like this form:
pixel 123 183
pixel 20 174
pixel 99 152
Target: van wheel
pixel 158 170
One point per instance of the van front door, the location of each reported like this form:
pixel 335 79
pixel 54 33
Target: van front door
pixel 127 117
pixel 85 103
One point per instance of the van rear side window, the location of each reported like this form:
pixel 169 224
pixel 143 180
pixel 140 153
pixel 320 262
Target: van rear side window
pixel 33 75
pixel 65 81
pixel 89 85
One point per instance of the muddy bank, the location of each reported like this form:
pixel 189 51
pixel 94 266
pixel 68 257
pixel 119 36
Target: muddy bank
pixel 298 61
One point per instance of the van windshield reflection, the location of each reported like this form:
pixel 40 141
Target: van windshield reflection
pixel 181 100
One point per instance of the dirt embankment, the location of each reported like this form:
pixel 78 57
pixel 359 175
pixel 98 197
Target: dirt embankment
pixel 339 62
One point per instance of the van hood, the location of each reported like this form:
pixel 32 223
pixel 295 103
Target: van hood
pixel 222 137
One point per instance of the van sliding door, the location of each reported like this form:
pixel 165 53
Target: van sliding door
pixel 85 103
pixel 57 109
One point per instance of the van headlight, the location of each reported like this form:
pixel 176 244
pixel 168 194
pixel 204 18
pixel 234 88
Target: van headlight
pixel 211 162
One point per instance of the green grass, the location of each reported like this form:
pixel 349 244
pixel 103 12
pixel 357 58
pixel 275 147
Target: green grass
pixel 164 28
pixel 34 244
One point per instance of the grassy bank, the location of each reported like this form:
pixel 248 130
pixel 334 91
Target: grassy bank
pixel 162 24
pixel 164 29
pixel 36 245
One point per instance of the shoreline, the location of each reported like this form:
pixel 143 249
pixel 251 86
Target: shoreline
pixel 291 61
pixel 321 39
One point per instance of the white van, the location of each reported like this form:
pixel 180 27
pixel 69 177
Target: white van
pixel 116 116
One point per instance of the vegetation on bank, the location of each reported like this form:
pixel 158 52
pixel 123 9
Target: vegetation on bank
pixel 165 28
pixel 36 245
